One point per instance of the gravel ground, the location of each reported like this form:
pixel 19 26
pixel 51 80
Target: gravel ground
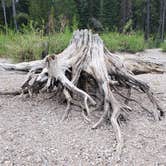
pixel 31 133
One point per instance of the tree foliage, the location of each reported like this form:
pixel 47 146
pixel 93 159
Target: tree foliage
pixel 110 14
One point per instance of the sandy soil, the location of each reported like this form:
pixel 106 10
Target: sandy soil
pixel 31 133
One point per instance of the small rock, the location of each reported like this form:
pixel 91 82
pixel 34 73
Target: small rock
pixel 7 163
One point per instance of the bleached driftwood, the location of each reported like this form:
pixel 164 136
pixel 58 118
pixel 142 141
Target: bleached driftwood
pixel 150 61
pixel 23 66
pixel 87 69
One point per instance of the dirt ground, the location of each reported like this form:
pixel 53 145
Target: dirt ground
pixel 31 133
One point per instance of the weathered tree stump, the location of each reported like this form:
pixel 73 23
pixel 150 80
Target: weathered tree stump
pixel 87 69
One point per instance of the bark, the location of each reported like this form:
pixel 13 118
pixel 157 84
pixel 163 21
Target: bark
pixel 103 72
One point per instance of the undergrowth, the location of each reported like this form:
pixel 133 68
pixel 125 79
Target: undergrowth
pixel 29 43
pixel 121 42
pixel 163 46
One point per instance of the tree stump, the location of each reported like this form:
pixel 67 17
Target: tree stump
pixel 86 68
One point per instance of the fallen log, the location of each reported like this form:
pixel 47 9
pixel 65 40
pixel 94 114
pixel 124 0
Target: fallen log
pixel 23 66
pixel 87 69
pixel 149 61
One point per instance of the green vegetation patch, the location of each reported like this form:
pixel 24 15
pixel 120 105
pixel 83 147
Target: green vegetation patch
pixel 121 42
pixel 163 46
pixel 29 46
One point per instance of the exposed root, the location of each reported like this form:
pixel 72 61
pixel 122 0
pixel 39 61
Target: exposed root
pixel 158 110
pixel 68 84
pixel 114 121
pixel 131 100
pixel 103 117
pixel 68 98
pixel 86 106
pixel 13 93
pixel 128 96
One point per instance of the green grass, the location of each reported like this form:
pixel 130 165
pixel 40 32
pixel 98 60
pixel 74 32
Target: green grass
pixel 121 42
pixel 29 45
pixel 163 46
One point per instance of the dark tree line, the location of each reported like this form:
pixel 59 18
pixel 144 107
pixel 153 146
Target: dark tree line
pixel 162 19
pixel 122 15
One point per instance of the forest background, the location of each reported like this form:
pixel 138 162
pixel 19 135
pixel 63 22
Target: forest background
pixel 29 29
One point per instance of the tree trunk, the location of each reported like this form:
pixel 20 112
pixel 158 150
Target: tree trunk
pixel 147 27
pixel 161 28
pixel 14 14
pixel 4 13
pixel 163 20
pixel 126 12
pixel 90 8
pixel 160 22
pixel 123 14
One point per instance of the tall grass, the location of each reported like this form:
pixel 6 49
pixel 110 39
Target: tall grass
pixel 163 46
pixel 30 44
pixel 121 42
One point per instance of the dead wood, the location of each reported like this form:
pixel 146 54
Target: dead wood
pixel 14 93
pixel 86 69
pixel 24 66
pixel 141 63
